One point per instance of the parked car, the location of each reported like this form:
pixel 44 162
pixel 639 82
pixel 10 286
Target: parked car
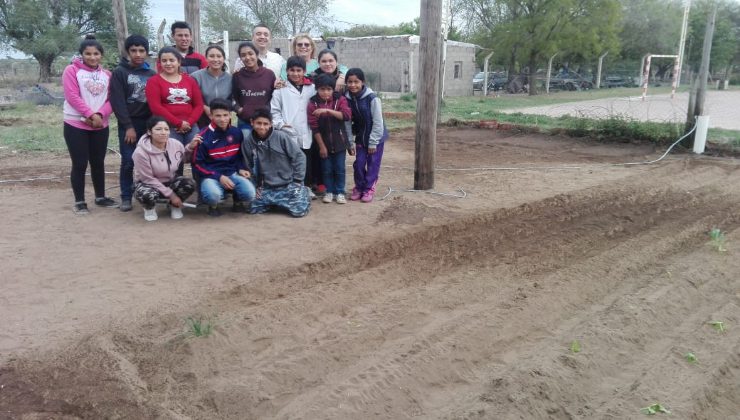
pixel 569 81
pixel 496 80
pixel 479 78
pixel 614 82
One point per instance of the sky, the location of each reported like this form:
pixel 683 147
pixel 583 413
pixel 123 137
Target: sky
pixel 378 12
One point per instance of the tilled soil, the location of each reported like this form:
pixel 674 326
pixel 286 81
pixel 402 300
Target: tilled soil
pixel 416 306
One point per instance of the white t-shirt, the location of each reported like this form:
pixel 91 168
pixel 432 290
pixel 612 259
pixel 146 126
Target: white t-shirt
pixel 271 60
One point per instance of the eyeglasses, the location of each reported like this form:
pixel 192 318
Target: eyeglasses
pixel 302 44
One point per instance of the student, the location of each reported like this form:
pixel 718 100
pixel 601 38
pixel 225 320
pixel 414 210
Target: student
pixel 370 135
pixel 278 167
pixel 175 96
pixel 214 81
pixel 218 162
pixel 304 47
pixel 183 36
pixel 128 100
pixel 252 86
pixel 156 160
pixel 288 108
pixel 328 65
pixel 261 37
pixel 327 113
pixel 86 110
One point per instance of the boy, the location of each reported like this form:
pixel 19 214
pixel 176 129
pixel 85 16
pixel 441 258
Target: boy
pixel 288 108
pixel 328 112
pixel 278 166
pixel 192 61
pixel 218 163
pixel 128 101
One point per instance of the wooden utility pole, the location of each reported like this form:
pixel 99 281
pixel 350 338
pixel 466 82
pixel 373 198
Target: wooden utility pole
pixel 119 15
pixel 427 93
pixel 701 90
pixel 192 16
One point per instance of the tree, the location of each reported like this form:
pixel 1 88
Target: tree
pixel 48 29
pixel 283 17
pixel 725 49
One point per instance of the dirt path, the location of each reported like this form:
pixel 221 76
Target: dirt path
pixel 441 308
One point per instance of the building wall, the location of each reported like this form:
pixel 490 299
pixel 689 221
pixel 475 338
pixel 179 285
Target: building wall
pixel 390 63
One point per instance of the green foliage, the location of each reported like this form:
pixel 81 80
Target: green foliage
pixel 575 346
pixel 408 97
pixel 619 127
pixel 356 31
pixel 650 26
pixel 725 48
pixel 718 239
pixel 283 18
pixel 690 357
pixel 654 409
pixel 719 326
pixel 199 327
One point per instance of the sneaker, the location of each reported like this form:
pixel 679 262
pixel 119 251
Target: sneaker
pixel 150 215
pixel 368 196
pixel 176 213
pixel 126 205
pixel 356 194
pixel 341 199
pixel 239 207
pixel 328 198
pixel 311 194
pixel 213 211
pixel 320 189
pixel 106 202
pixel 80 208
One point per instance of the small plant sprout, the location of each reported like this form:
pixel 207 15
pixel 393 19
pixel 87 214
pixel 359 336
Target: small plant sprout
pixel 199 327
pixel 718 239
pixel 718 325
pixel 690 357
pixel 654 409
pixel 575 346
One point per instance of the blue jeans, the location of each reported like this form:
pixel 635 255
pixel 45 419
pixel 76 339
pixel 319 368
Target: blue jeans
pixel 126 175
pixel 334 172
pixel 211 191
pixel 184 138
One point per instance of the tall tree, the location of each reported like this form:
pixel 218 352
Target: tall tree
pixel 283 17
pixel 47 29
pixel 725 48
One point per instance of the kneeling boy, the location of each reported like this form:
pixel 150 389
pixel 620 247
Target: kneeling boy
pixel 278 167
pixel 218 162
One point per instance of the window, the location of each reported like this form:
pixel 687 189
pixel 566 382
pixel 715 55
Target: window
pixel 458 70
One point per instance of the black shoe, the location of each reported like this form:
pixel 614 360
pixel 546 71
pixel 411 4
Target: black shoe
pixel 80 208
pixel 126 205
pixel 106 202
pixel 213 211
pixel 239 207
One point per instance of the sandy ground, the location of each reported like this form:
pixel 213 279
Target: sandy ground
pixel 721 106
pixel 416 306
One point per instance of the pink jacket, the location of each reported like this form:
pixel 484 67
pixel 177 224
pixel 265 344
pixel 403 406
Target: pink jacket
pixel 86 92
pixel 154 167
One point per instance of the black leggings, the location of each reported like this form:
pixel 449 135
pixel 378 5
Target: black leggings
pixel 86 146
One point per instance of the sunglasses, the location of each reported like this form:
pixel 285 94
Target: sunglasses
pixel 302 44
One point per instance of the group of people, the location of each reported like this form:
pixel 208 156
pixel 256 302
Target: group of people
pixel 296 120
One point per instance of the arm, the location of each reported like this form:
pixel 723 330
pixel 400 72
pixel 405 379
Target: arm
pixel 276 109
pixel 72 92
pixel 297 159
pixel 197 102
pixel 106 109
pixel 146 174
pixel 376 134
pixel 344 110
pixel 154 99
pixel 323 151
pixel 201 163
pixel 118 100
pixel 313 120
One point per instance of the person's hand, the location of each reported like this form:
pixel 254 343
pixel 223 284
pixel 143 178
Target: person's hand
pixel 175 201
pixel 226 182
pixel 351 151
pixel 184 128
pixel 340 83
pixel 130 136
pixel 245 173
pixel 320 111
pixel 371 150
pixel 323 152
pixel 279 84
pixel 198 139
pixel 96 121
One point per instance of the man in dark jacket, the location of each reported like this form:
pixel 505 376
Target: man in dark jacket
pixel 132 111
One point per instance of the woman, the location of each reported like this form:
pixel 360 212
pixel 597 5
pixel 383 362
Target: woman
pixel 175 96
pixel 304 47
pixel 214 81
pixel 328 65
pixel 156 159
pixel 86 111
pixel 252 86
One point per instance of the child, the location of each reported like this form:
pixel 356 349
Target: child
pixel 278 166
pixel 327 113
pixel 370 135
pixel 288 108
pixel 218 163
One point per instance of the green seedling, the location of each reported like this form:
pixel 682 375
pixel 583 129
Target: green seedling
pixel 654 409
pixel 718 325
pixel 575 346
pixel 690 357
pixel 718 239
pixel 199 327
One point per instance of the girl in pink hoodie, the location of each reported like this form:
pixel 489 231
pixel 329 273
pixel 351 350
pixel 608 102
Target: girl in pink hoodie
pixel 86 111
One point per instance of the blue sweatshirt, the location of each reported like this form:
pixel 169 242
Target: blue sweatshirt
pixel 219 154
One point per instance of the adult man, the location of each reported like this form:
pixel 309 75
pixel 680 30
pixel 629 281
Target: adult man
pixel 183 36
pixel 271 60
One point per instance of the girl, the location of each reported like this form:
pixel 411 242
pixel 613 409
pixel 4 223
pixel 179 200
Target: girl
pixel 86 111
pixel 252 85
pixel 156 159
pixel 328 65
pixel 370 135
pixel 214 81
pixel 175 96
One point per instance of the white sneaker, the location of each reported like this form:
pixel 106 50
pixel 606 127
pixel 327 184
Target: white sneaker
pixel 311 194
pixel 176 213
pixel 150 215
pixel 328 198
pixel 341 199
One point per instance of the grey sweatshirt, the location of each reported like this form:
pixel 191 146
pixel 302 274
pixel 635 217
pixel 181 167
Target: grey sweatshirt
pixel 275 161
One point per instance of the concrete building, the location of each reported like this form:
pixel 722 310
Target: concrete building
pixel 390 62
